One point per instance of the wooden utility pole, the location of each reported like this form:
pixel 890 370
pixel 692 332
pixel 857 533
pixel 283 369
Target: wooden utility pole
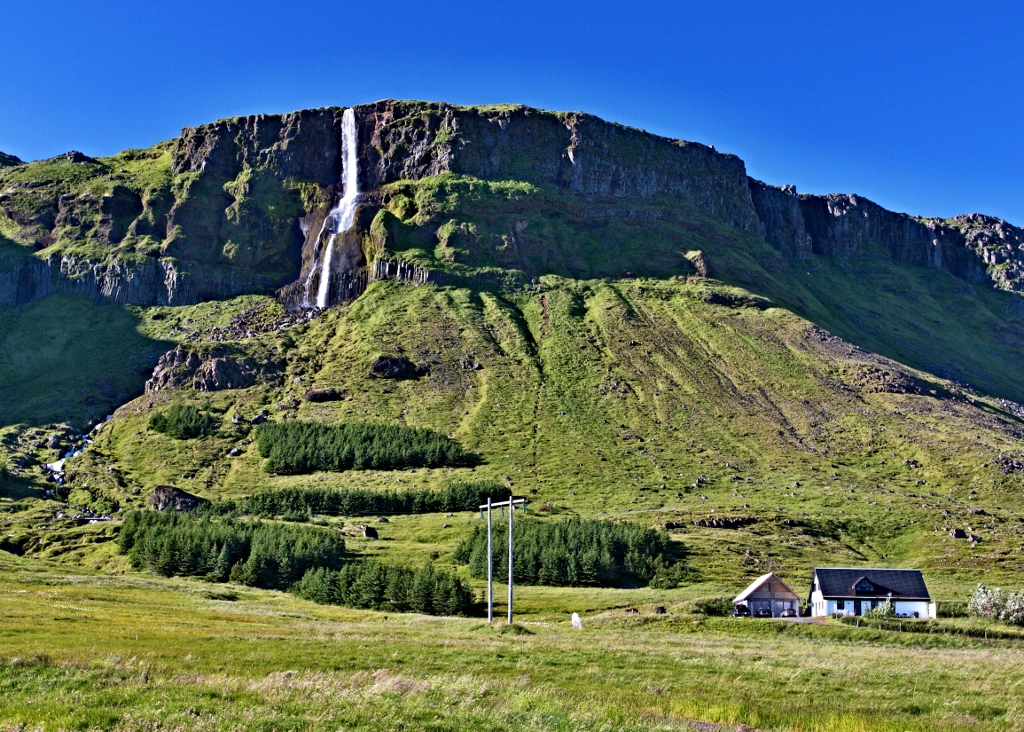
pixel 511 503
pixel 490 567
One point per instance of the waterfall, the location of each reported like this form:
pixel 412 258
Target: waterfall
pixel 342 216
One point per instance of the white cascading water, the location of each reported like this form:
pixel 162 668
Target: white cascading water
pixel 342 216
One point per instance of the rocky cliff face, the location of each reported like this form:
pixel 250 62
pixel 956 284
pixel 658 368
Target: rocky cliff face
pixel 974 248
pixel 238 205
pixel 24 279
pixel 574 152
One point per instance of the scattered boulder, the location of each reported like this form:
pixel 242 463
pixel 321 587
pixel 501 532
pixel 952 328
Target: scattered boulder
pixel 725 522
pixel 660 610
pixel 370 533
pixel 1009 464
pixel 325 395
pixel 875 379
pixel 382 520
pixel 237 419
pixel 975 539
pixel 958 534
pixel 234 452
pixel 54 441
pixel 167 496
pixel 392 367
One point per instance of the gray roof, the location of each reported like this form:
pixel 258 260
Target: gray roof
pixel 906 584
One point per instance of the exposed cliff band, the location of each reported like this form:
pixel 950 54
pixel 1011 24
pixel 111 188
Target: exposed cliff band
pixel 251 204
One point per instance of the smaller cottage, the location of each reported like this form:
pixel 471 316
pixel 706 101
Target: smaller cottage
pixel 769 594
pixel 855 591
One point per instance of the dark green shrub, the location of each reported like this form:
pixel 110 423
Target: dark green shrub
pixel 571 553
pixel 952 609
pixel 252 553
pixel 375 585
pixel 718 606
pixel 304 447
pixel 183 422
pixel 297 504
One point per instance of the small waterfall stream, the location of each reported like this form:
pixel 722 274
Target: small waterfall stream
pixel 342 216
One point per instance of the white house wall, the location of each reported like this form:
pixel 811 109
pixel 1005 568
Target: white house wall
pixel 820 607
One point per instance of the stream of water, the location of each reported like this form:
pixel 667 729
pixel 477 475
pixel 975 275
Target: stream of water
pixel 341 217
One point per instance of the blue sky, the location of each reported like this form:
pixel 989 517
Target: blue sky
pixel 918 106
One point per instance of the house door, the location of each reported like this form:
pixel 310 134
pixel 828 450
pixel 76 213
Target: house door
pixel 856 607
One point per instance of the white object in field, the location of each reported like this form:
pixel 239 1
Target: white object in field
pixel 576 622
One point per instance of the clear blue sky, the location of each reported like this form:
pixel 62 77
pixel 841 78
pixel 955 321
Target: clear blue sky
pixel 916 105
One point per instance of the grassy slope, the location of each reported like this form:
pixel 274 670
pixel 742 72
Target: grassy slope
pixel 605 398
pixel 750 397
pixel 927 319
pixel 80 651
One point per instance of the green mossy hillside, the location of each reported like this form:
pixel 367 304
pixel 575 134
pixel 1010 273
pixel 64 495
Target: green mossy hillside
pixel 660 402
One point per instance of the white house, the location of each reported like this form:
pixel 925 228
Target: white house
pixel 770 593
pixel 854 591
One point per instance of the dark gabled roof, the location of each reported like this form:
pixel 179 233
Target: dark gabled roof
pixel 901 583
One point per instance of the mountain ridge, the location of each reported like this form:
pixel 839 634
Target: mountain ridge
pixel 232 206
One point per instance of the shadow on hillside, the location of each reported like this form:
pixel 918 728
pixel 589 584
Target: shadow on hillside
pixel 66 358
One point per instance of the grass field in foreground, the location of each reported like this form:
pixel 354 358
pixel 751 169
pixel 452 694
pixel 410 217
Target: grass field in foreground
pixel 81 651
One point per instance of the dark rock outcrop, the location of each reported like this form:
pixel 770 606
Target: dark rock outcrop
pixel 79 158
pixel 168 497
pixel 877 379
pixel 183 369
pixel 325 395
pixel 25 279
pixel 783 220
pixel 394 367
pixel 9 160
pixel 725 522
pixel 974 248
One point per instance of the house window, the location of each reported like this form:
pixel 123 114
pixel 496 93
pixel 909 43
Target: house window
pixel 865 586
pixel 840 604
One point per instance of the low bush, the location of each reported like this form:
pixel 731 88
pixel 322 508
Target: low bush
pixel 183 422
pixel 571 553
pixel 298 504
pixel 882 612
pixel 303 447
pixel 375 585
pixel 994 604
pixel 718 606
pixel 254 553
pixel 952 609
